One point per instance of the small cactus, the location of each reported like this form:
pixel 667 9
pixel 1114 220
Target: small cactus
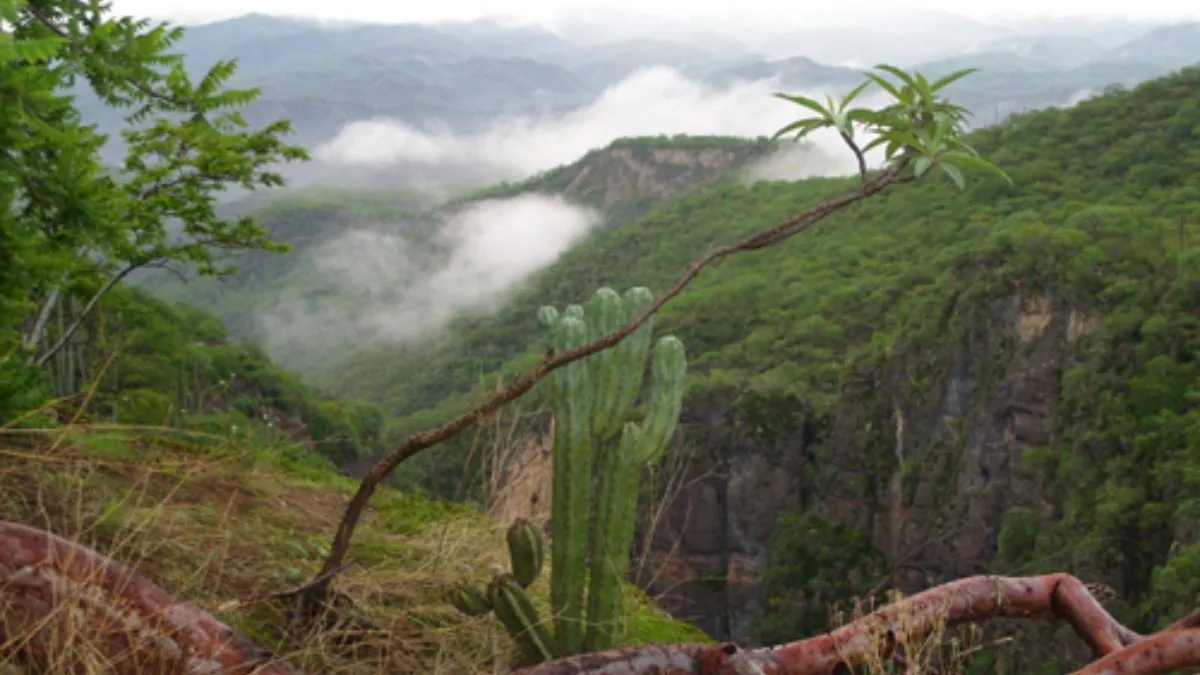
pixel 519 617
pixel 469 600
pixel 526 551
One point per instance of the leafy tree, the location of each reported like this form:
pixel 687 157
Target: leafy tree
pixel 72 228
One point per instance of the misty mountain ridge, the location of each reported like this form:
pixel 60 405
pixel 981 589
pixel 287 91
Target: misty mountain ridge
pixel 395 267
pixel 498 86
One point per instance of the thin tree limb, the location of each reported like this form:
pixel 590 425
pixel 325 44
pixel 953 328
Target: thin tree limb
pixel 43 318
pixel 523 383
pixel 87 309
pixel 858 155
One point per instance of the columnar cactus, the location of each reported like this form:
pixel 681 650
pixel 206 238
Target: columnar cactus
pixel 598 459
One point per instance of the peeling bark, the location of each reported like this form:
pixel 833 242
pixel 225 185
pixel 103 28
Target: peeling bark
pixel 56 595
pixel 58 599
pixel 1054 596
pixel 1166 652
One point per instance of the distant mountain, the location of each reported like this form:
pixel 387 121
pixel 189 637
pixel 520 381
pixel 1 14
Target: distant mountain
pixel 925 35
pixel 1169 47
pixel 1057 51
pixel 462 77
pixel 794 72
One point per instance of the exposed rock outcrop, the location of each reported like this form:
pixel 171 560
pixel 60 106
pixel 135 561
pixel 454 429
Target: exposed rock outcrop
pixel 927 470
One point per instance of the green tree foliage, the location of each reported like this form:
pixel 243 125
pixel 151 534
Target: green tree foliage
pixel 72 228
pixel 149 362
pixel 812 566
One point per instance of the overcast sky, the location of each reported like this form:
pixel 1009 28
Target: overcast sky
pixel 408 10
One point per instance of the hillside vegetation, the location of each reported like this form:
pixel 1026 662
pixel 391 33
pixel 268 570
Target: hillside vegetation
pixel 929 385
pixel 621 182
pixel 137 427
pixel 225 519
pixel 1103 214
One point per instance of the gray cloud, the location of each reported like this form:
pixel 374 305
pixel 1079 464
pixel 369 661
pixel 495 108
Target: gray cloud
pixel 649 102
pixel 383 289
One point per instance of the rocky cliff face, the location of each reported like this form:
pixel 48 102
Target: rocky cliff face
pixel 923 454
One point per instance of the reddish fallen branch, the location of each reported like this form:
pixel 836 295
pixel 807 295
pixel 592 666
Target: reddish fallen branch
pixel 59 598
pixel 1054 596
pixel 51 588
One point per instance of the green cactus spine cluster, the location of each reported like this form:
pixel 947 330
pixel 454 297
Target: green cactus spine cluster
pixel 598 459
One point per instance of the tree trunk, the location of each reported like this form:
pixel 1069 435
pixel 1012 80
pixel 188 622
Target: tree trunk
pixel 142 629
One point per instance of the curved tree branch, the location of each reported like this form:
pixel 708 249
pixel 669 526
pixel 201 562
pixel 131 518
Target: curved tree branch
pixel 1054 596
pixel 423 440
pixel 108 285
pixel 47 582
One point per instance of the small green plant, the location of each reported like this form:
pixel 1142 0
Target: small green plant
pixel 598 459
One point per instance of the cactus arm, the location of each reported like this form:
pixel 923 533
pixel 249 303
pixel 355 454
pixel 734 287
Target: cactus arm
pixel 665 400
pixel 604 315
pixel 615 525
pixel 526 550
pixel 572 487
pixel 518 616
pixel 632 352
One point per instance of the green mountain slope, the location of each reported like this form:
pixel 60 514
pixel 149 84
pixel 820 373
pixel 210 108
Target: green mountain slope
pixel 1061 162
pixel 621 182
pixel 305 221
pixel 216 475
pixel 808 357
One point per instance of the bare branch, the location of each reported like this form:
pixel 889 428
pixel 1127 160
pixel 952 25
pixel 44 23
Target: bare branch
pixel 426 439
pixel 87 309
pixel 858 155
pixel 43 318
pixel 1054 596
pixel 39 570
pixel 1166 652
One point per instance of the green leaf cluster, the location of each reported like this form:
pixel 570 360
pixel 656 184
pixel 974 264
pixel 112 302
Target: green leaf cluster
pixel 72 228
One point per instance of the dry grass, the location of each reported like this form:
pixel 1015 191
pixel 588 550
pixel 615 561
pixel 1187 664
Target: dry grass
pixel 914 650
pixel 215 524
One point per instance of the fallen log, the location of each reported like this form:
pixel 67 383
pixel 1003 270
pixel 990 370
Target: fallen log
pixel 57 596
pixel 1121 651
pixel 62 605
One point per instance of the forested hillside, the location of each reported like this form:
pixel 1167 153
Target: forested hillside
pixel 396 237
pixel 1024 355
pixel 152 466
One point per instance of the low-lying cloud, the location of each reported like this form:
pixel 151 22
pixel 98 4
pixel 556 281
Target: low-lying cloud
pixel 649 102
pixel 378 287
pixel 374 286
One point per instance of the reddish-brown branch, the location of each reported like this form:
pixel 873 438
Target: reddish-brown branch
pixel 56 595
pixel 1054 596
pixel 1164 652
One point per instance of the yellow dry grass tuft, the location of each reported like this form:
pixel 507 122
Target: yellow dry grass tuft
pixel 217 524
pixel 944 650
